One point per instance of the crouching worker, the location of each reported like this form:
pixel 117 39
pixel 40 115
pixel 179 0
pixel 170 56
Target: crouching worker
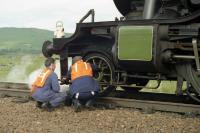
pixel 45 89
pixel 84 88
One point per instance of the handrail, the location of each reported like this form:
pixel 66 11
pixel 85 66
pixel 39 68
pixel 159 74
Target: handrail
pixel 90 12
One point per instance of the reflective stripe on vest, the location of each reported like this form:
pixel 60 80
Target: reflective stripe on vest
pixel 41 79
pixel 79 69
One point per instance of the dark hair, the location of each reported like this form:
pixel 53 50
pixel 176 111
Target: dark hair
pixel 76 58
pixel 49 61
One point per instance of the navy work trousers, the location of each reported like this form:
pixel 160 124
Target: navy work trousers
pixel 83 97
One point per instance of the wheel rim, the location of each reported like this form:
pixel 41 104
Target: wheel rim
pixel 104 76
pixel 191 76
pixel 194 78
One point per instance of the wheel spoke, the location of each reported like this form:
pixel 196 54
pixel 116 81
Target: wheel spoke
pixel 104 68
pixel 104 77
pixel 104 80
pixel 100 62
pixel 93 62
pixel 106 74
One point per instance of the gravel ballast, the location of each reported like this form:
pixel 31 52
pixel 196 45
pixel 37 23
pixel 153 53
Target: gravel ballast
pixel 25 118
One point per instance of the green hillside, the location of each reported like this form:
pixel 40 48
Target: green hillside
pixel 18 40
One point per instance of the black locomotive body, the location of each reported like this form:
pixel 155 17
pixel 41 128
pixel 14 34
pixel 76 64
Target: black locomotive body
pixel 156 39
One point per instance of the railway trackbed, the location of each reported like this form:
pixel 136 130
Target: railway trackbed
pixel 146 101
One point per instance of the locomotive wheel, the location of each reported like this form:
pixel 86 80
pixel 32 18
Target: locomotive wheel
pixel 142 82
pixel 105 74
pixel 190 91
pixel 192 77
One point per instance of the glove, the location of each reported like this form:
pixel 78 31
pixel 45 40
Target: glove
pixel 64 80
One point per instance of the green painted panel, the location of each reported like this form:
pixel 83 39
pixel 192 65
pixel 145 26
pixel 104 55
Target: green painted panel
pixel 135 43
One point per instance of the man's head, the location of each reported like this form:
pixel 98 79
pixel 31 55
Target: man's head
pixel 50 63
pixel 76 58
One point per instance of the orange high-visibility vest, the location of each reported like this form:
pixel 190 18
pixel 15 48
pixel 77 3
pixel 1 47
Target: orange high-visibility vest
pixel 40 80
pixel 79 69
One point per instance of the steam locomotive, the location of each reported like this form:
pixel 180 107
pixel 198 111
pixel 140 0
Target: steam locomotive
pixel 154 40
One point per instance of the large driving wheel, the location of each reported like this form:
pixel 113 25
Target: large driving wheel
pixel 193 78
pixel 105 75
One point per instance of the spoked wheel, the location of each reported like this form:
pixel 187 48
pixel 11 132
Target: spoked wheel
pixel 105 73
pixel 193 79
pixel 191 92
pixel 142 82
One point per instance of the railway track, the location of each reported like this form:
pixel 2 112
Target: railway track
pixel 14 89
pixel 145 101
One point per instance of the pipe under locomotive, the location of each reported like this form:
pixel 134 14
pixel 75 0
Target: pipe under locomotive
pixel 154 40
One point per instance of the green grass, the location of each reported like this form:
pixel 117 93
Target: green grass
pixel 20 51
pixel 37 62
pixel 23 39
pixel 6 63
pixel 11 64
pixel 165 87
pixel 26 40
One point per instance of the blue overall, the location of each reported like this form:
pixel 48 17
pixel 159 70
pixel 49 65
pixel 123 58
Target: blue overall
pixel 50 92
pixel 84 86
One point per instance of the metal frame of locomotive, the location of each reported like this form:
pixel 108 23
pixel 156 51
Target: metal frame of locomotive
pixel 155 40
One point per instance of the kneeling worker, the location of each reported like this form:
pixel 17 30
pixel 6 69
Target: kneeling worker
pixel 45 89
pixel 84 88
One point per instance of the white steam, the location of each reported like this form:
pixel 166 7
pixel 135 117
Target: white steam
pixel 57 70
pixel 18 72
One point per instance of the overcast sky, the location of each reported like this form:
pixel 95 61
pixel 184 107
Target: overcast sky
pixel 44 13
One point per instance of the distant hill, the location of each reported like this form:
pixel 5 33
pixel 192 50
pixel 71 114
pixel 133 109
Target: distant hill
pixel 28 40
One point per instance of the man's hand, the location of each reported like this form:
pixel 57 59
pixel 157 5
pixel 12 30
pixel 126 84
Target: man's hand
pixel 64 80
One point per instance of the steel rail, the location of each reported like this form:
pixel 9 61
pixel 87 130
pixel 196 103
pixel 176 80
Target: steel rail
pixel 151 105
pixel 142 103
pixel 11 85
pixel 14 89
pixel 14 92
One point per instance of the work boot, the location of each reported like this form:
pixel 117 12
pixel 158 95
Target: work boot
pixel 90 104
pixel 77 105
pixel 39 104
pixel 47 106
pixel 68 101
